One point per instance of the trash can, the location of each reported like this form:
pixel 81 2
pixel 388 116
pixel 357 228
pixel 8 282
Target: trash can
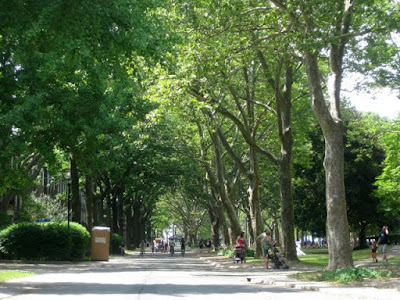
pixel 100 246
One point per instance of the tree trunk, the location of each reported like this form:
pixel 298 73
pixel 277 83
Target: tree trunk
pixel 328 115
pixel 287 215
pixel 254 202
pixel 97 210
pixel 284 111
pixel 230 211
pixel 114 211
pixel 224 227
pixel 251 235
pixel 75 196
pixel 215 226
pixel 89 201
pixel 121 221
pixel 107 208
pixel 362 237
pixel 223 190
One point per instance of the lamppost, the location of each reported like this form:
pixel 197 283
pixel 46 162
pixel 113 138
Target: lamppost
pixel 69 197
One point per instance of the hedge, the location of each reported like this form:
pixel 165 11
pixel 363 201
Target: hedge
pixel 115 244
pixel 44 241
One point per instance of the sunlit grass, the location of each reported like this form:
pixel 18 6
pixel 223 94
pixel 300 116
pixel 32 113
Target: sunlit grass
pixel 253 260
pixel 8 275
pixel 320 257
pixel 362 254
pixel 315 257
pixel 395 259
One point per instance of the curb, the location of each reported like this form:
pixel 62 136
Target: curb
pixel 212 263
pixel 289 285
pixel 35 262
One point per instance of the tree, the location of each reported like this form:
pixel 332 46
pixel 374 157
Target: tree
pixel 249 86
pixel 388 181
pixel 72 68
pixel 322 31
pixel 363 164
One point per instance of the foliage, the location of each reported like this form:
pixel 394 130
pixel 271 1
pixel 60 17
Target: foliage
pixel 48 241
pixel 250 252
pixel 4 219
pixel 363 156
pixel 363 163
pixel 115 243
pixel 8 275
pixel 388 182
pixel 228 252
pixel 309 187
pixel 346 276
pixel 44 206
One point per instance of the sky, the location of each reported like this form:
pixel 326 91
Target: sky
pixel 384 102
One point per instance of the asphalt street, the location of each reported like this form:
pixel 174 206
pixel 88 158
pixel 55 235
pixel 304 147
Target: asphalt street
pixel 161 276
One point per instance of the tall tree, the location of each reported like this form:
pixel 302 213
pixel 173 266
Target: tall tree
pixel 323 30
pixel 70 61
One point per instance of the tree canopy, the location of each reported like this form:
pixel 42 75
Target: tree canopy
pixel 215 116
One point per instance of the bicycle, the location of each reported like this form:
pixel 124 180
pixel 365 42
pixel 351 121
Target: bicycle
pixel 183 252
pixel 141 252
pixel 171 250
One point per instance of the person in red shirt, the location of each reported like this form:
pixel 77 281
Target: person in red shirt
pixel 241 241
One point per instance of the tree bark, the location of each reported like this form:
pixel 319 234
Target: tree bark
pixel 75 196
pixel 254 202
pixel 89 201
pixel 283 111
pixel 223 189
pixel 362 236
pixel 337 228
pixel 218 188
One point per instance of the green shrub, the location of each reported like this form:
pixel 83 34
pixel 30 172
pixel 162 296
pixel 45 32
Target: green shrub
pixel 115 243
pixel 250 252
pixel 228 252
pixel 345 276
pixel 44 241
pixel 5 219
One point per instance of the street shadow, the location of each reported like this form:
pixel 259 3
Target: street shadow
pixel 74 289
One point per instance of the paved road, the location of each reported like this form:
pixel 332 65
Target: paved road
pixel 155 277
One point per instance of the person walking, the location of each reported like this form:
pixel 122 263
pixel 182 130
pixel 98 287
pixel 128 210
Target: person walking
pixel 241 241
pixel 383 241
pixel 172 247
pixel 201 245
pixel 374 251
pixel 183 246
pixel 266 243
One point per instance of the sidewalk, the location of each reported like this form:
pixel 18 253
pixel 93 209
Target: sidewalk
pixel 257 274
pixel 394 251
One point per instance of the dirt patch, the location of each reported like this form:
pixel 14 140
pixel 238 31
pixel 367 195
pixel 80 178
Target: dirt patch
pixel 381 283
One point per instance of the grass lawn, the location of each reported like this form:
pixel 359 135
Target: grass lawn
pixel 8 275
pixel 347 276
pixel 320 257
